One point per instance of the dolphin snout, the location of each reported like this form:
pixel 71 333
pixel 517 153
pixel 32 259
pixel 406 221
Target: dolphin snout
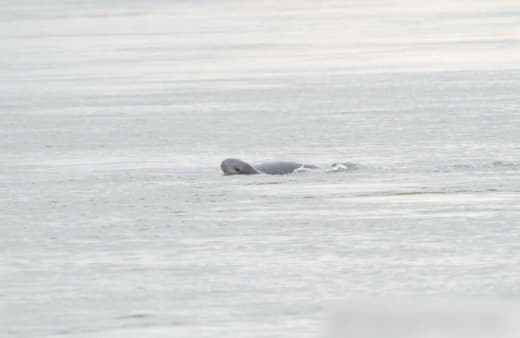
pixel 227 169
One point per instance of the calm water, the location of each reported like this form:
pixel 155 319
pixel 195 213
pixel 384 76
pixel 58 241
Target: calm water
pixel 117 222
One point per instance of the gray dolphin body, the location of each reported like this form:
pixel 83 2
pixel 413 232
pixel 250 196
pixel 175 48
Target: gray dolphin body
pixel 232 166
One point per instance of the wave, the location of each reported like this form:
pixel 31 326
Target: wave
pixel 494 165
pixel 343 166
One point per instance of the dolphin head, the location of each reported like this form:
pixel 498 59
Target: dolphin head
pixel 232 166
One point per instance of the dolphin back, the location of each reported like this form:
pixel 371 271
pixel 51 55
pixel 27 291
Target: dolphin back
pixel 281 168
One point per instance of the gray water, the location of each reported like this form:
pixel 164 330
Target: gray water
pixel 115 115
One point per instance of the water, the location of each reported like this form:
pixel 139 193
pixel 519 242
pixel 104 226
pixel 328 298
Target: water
pixel 116 220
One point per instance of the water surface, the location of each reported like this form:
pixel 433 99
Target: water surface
pixel 116 220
